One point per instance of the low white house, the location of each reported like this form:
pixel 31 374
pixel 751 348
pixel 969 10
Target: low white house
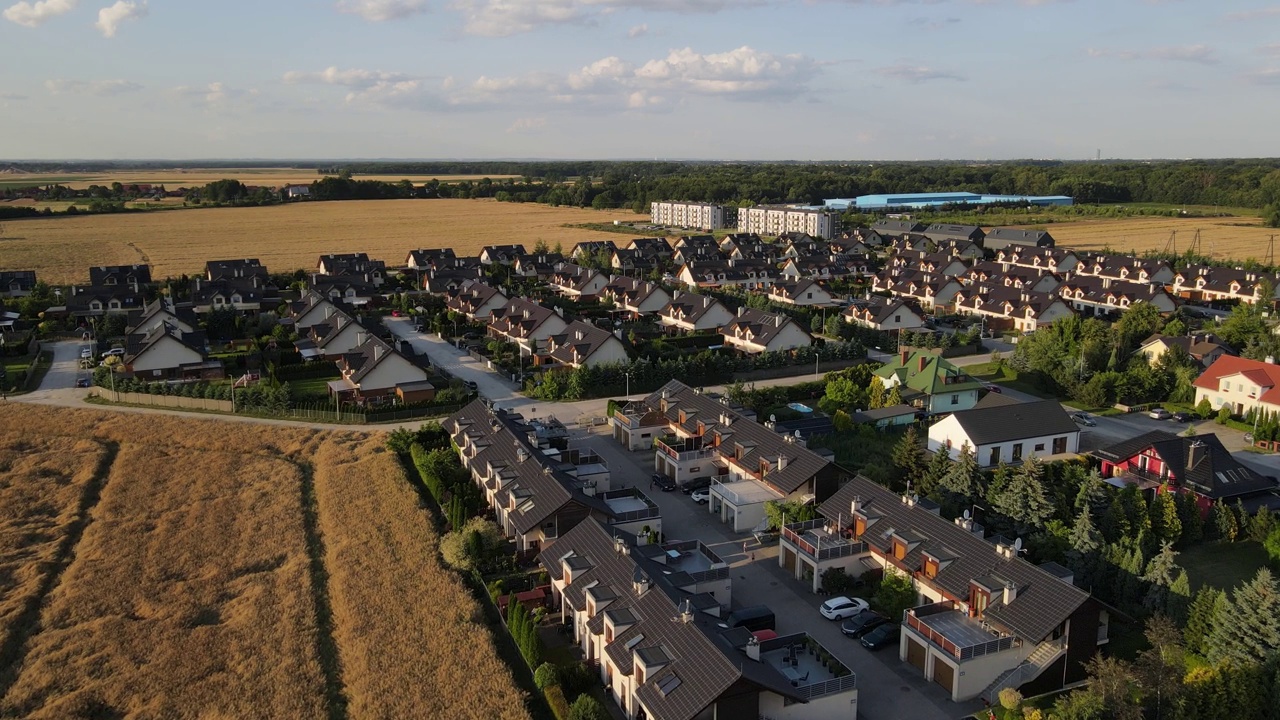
pixel 1002 430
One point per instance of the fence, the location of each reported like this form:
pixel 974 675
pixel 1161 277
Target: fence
pixel 312 414
pixel 169 401
pixel 797 370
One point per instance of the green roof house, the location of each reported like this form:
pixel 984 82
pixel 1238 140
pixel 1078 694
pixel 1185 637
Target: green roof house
pixel 930 382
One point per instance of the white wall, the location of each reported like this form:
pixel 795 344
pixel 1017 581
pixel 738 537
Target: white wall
pixel 841 706
pixel 949 428
pixel 168 353
pixel 393 370
pixel 612 351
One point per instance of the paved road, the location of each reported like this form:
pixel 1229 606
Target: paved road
pixel 888 688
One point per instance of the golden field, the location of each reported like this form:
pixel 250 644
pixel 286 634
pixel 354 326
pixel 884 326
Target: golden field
pixel 227 570
pixel 286 237
pixel 1236 238
pixel 192 177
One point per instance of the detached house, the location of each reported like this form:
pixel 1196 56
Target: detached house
pixel 311 309
pixel 1006 431
pixel 542 265
pixel 160 313
pixel 373 371
pixel 17 283
pixel 353 266
pixel 501 254
pixel 590 248
pixel 631 261
pixel 1162 462
pixel 337 334
pixel 651 247
pixel 930 382
pixel 1204 349
pixel 635 296
pixel 1240 385
pixel 1001 238
pixel 881 313
pixel 985 618
pixel 756 331
pixel 477 301
pixel 582 345
pixel 166 352
pixel 429 258
pixel 649 619
pixel 117 275
pixel 694 313
pixel 576 282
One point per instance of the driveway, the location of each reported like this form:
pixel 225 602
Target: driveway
pixel 888 688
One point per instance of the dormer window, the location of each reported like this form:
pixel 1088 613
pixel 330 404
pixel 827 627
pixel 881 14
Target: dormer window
pixel 899 549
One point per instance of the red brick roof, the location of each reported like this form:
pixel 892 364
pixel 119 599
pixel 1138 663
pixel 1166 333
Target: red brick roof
pixel 1264 374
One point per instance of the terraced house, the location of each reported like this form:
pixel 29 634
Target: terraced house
pixel 986 619
pixel 576 282
pixel 756 331
pixel 636 297
pixel 476 301
pixel 697 435
pixel 649 618
pixel 688 312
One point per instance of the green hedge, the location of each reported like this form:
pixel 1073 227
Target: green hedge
pixel 555 700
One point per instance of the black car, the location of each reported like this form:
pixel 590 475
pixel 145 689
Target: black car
pixel 881 637
pixel 862 623
pixel 1182 417
pixel 695 484
pixel 664 483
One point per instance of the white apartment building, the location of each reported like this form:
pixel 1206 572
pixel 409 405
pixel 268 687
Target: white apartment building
pixel 693 215
pixel 778 219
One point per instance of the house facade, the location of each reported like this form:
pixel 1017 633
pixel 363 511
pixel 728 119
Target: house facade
pixel 756 331
pixel 929 382
pixel 881 313
pixel 583 345
pixel 692 313
pixel 1241 385
pixel 1006 432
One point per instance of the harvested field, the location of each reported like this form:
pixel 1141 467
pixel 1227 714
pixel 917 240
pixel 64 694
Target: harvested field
pixel 1236 238
pixel 176 178
pixel 286 237
pixel 226 570
pixel 414 642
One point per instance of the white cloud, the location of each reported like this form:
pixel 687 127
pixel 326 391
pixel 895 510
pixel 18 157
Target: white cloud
pixel 110 18
pixel 638 30
pixel 744 72
pixel 1265 76
pixel 907 72
pixel 1201 54
pixel 101 88
pixel 598 73
pixel 346 78
pixel 216 94
pixel 33 14
pixel 527 125
pixel 1258 14
pixel 371 87
pixel 1271 49
pixel 382 10
pixel 498 18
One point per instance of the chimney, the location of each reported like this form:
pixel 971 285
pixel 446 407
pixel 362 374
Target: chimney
pixel 782 462
pixel 362 337
pixel 753 648
pixel 1194 453
pixel 1010 592
pixel 1270 360
pixel 741 310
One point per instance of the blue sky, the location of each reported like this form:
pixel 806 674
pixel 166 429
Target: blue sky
pixel 714 79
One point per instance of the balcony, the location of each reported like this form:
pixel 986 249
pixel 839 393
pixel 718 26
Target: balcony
pixel 683 449
pixel 630 505
pixel 799 658
pixel 957 634
pixel 814 540
pixel 696 560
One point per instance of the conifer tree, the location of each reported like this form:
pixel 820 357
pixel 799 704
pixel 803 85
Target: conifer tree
pixel 1260 525
pixel 1189 517
pixel 1246 629
pixel 1200 617
pixel 1224 522
pixel 931 478
pixel 1159 575
pixel 1179 598
pixel 1024 499
pixel 965 477
pixel 1163 512
pixel 1086 544
pixel 908 459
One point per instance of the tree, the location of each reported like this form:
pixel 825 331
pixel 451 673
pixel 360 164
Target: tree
pixel 1204 408
pixel 1261 524
pixel 1086 543
pixel 1160 668
pixel 1024 499
pixel 1159 576
pixel 546 675
pixel 1223 521
pixel 1010 699
pixel 472 547
pixel 965 477
pixel 1189 518
pixel 895 595
pixel 1112 679
pixel 844 394
pixel 1079 705
pixel 1246 629
pixel 1200 618
pixel 939 465
pixel 875 393
pixel 1092 494
pixel 1272 545
pixel 894 397
pixel 908 458
pixel 1165 523
pixel 1179 597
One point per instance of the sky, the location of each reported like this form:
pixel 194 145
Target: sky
pixel 644 79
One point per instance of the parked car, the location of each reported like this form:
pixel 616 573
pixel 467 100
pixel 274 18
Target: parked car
pixel 471 385
pixel 1159 414
pixel 882 637
pixel 119 352
pixel 701 496
pixel 86 352
pixel 82 382
pixel 756 617
pixel 664 483
pixel 989 387
pixel 1083 419
pixel 862 623
pixel 1182 417
pixel 839 608
pixel 695 484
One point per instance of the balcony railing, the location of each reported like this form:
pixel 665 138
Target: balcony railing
pixel 815 547
pixel 937 634
pixel 674 448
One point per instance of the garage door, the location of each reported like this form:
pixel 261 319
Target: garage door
pixel 788 560
pixel 943 674
pixel 915 654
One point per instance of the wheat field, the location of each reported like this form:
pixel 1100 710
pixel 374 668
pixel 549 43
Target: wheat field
pixel 286 237
pixel 192 593
pixel 175 178
pixel 1236 238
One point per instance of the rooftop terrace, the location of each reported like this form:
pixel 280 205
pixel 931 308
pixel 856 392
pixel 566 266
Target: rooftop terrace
pixel 799 658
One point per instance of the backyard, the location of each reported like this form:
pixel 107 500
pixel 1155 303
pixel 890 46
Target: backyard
pixel 1222 565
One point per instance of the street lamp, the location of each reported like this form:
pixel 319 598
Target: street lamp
pixel 627 374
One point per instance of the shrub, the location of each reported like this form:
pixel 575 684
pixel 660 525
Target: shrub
pixel 577 678
pixel 587 707
pixel 1272 544
pixel 546 676
pixel 555 699
pixel 1010 698
pixel 1224 415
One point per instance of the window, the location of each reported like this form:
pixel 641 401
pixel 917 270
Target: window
pixel 1017 452
pixel 994 458
pixel 1059 445
pixel 930 568
pixel 1039 447
pixel 955 399
pixel 899 549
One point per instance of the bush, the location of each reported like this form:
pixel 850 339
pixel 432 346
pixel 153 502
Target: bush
pixel 1272 544
pixel 578 678
pixel 555 699
pixel 546 676
pixel 587 707
pixel 1224 415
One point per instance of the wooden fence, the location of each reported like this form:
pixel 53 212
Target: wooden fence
pixel 167 401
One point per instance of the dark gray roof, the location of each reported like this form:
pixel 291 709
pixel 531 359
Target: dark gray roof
pixel 1042 602
pixel 1015 236
pixel 884 413
pixel 692 306
pixel 898 226
pixel 943 231
pixel 580 338
pixel 234 269
pixel 1007 422
pixel 24 279
pixel 119 275
pixel 1199 463
pixel 763 326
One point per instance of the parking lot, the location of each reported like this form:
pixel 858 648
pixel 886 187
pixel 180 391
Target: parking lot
pixel 888 688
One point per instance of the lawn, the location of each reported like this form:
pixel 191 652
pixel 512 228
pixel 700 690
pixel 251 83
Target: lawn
pixel 309 389
pixel 1001 374
pixel 1222 565
pixel 14 367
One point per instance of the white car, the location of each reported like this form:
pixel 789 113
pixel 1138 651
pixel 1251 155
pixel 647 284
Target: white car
pixel 114 351
pixel 700 496
pixel 86 353
pixel 839 608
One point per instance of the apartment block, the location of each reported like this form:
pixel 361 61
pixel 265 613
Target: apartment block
pixel 694 215
pixel 778 220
